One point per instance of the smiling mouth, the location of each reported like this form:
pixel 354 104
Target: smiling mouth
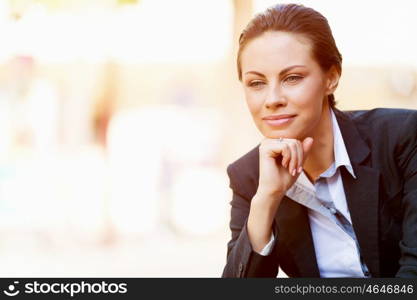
pixel 280 122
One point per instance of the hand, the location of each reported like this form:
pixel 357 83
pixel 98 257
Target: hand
pixel 280 163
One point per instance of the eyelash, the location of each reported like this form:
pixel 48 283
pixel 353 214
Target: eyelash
pixel 257 83
pixel 294 76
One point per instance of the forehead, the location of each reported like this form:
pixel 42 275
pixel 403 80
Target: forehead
pixel 275 50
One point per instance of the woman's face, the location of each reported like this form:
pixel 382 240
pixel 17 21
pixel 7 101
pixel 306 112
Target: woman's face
pixel 280 77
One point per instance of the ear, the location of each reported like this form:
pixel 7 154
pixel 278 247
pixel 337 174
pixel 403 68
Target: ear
pixel 332 80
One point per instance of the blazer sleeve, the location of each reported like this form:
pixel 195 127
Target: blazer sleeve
pixel 406 156
pixel 241 260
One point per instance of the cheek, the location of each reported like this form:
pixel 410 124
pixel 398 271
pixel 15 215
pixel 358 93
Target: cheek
pixel 307 95
pixel 254 101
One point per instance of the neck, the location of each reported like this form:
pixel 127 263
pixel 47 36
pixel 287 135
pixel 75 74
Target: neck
pixel 321 155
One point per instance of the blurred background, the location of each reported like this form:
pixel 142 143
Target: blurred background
pixel 118 119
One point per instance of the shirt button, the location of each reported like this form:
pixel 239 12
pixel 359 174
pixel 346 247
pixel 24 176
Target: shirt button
pixel 332 210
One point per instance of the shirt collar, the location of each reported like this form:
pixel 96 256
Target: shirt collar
pixel 341 158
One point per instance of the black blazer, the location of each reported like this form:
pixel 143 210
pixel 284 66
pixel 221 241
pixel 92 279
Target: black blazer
pixel 382 147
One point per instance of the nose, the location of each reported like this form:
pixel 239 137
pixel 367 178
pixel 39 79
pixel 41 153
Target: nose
pixel 275 97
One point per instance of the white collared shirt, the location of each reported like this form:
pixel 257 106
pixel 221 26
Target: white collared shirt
pixel 336 251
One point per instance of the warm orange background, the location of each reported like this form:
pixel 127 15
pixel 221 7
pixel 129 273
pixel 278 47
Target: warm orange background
pixel 118 119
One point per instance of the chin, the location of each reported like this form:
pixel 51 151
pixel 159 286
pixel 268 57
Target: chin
pixel 274 134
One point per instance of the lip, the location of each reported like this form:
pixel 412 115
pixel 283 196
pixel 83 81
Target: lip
pixel 276 120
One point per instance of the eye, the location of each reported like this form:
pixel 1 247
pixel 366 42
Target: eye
pixel 255 83
pixel 293 78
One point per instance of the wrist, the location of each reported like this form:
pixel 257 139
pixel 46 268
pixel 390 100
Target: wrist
pixel 268 196
pixel 265 205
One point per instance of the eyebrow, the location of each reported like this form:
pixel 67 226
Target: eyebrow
pixel 280 73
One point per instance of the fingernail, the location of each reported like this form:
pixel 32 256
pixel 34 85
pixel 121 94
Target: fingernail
pixel 293 172
pixel 300 169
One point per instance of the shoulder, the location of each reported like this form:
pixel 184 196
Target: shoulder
pixel 384 122
pixel 381 116
pixel 390 133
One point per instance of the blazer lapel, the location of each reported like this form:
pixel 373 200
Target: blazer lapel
pixel 362 193
pixel 362 199
pixel 294 231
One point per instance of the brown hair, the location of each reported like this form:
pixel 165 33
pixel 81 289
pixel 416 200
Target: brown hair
pixel 297 19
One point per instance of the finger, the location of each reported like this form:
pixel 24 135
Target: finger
pixel 277 149
pixel 286 154
pixel 307 145
pixel 300 156
pixel 294 158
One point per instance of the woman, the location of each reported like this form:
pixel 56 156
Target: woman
pixel 326 193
